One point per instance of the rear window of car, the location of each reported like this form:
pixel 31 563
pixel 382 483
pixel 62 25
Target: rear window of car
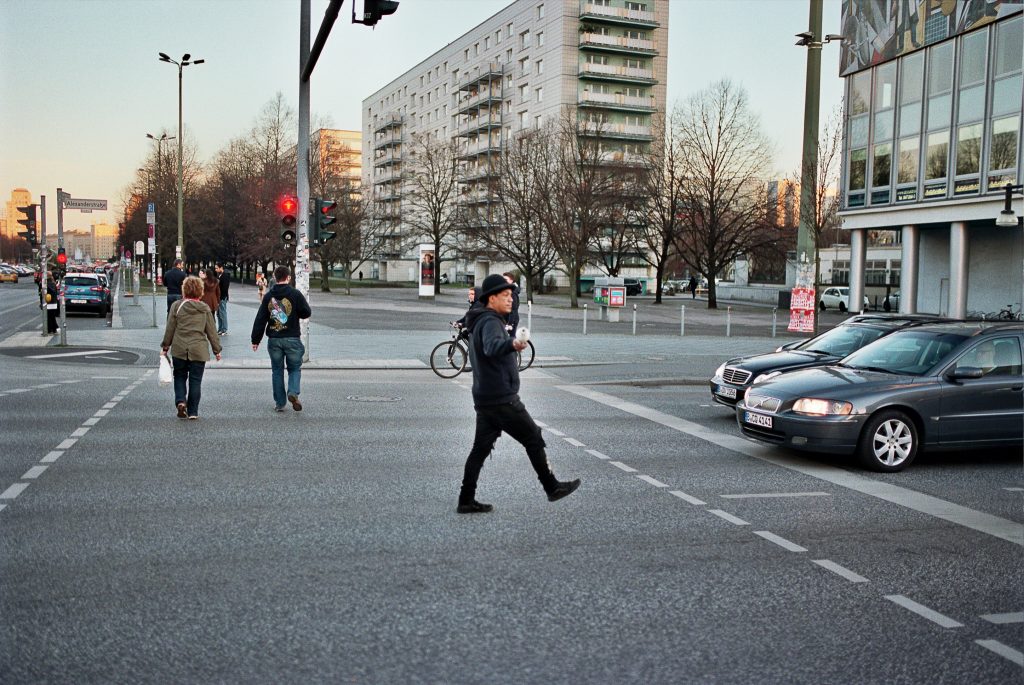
pixel 80 280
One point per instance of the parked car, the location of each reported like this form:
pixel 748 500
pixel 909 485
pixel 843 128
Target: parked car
pixel 83 291
pixel 8 274
pixel 952 385
pixel 733 378
pixel 835 297
pixel 633 286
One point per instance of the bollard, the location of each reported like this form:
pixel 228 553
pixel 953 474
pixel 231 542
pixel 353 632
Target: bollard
pixel 775 319
pixel 682 320
pixel 584 318
pixel 728 322
pixel 634 319
pixel 529 314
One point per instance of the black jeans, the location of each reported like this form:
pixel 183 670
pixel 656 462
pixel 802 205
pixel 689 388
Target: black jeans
pixel 190 372
pixel 513 419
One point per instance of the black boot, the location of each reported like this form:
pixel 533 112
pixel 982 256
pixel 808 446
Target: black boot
pixel 473 507
pixel 563 490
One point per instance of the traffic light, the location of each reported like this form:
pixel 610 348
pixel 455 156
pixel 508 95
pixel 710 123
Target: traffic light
pixel 29 222
pixel 320 220
pixel 286 209
pixel 373 10
pixel 62 257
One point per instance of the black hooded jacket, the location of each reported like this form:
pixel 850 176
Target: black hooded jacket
pixel 495 371
pixel 279 313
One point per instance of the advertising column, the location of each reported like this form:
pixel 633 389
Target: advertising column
pixel 427 270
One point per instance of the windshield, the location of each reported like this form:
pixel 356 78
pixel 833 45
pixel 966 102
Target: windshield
pixel 910 353
pixel 841 340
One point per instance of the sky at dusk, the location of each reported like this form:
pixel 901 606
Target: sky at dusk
pixel 82 83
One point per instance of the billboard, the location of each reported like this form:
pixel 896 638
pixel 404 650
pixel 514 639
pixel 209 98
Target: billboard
pixel 880 30
pixel 427 270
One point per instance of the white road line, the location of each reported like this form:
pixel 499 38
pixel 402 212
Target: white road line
pixel 555 432
pixel 74 381
pixel 34 472
pixel 781 542
pixel 68 354
pixel 2 507
pixel 91 422
pixel 652 481
pixel 924 612
pixel 840 570
pixel 79 432
pixel 110 405
pixel 574 442
pixel 541 424
pixel 51 457
pixel 687 498
pixel 1014 489
pixel 14 491
pixel 728 517
pixel 109 378
pixel 995 526
pixel 1013 617
pixel 1003 651
pixel 597 454
pixel 620 465
pixel 46 385
pixel 777 494
pixel 67 444
pixel 15 391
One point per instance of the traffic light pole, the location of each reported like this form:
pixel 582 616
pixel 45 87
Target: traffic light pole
pixel 302 177
pixel 61 196
pixel 42 260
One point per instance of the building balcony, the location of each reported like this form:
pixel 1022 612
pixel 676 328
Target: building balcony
pixel 619 44
pixel 481 172
pixel 609 72
pixel 387 193
pixel 617 15
pixel 618 157
pixel 389 174
pixel 389 156
pixel 492 72
pixel 617 101
pixel 482 146
pixel 477 197
pixel 487 97
pixel 621 131
pixel 388 121
pixel 483 122
pixel 384 142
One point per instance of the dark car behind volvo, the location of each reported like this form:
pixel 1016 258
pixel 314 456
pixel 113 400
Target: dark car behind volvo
pixel 952 385
pixel 733 378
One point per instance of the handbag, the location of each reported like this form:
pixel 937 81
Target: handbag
pixel 166 376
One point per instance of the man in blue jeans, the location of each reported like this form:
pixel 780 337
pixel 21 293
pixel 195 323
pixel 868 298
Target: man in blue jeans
pixel 278 316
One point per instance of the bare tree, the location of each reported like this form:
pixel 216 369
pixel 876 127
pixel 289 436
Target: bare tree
pixel 511 225
pixel 724 158
pixel 432 197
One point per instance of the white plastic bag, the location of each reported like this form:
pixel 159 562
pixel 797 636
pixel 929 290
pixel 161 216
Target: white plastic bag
pixel 166 374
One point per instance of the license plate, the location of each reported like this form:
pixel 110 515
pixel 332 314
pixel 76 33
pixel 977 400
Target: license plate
pixel 79 302
pixel 726 392
pixel 757 419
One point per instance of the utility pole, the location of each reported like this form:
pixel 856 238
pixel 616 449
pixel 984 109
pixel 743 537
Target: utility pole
pixel 61 196
pixel 42 260
pixel 805 242
pixel 302 180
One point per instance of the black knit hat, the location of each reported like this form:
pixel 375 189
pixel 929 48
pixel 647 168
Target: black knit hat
pixel 493 285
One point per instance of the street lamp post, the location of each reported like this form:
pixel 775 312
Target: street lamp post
pixel 153 233
pixel 180 252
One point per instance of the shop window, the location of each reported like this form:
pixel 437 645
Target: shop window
pixel 881 165
pixel 907 169
pixel 968 150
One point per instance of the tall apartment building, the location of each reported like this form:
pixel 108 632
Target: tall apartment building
pixel 604 60
pixel 20 197
pixel 338 152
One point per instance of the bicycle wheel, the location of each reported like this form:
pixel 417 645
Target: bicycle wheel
pixel 448 359
pixel 525 358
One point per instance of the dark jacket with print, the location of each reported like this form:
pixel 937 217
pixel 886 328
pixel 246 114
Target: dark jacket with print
pixel 495 371
pixel 281 302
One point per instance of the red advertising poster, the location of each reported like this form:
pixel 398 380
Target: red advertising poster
pixel 616 297
pixel 802 302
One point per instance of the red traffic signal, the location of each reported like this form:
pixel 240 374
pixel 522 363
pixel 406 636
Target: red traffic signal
pixel 287 207
pixel 62 257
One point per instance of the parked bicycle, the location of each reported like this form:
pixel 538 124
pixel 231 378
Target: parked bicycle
pixel 448 359
pixel 1008 313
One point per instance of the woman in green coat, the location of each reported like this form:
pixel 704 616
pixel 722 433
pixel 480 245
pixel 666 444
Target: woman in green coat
pixel 189 335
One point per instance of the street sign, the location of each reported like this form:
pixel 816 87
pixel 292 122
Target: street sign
pixel 140 247
pixel 152 245
pixel 151 207
pixel 77 203
pixel 127 254
pixel 150 217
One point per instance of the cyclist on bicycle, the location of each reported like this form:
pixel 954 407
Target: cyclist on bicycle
pixel 474 303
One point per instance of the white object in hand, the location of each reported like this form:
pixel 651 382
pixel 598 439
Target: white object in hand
pixel 523 334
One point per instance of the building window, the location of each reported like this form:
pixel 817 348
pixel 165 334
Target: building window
pixel 487 42
pixel 540 94
pixel 539 66
pixel 540 11
pixel 522 92
pixel 524 120
pixel 970 112
pixel 636 6
pixel 537 121
pixel 1004 127
pixel 938 119
pixel 476 49
pixel 937 156
pixel 508 31
pixel 524 40
pixel 465 55
pixel 883 108
pixel 540 39
pixel 597 59
pixel 857 137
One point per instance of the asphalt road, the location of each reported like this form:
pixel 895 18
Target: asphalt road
pixel 323 546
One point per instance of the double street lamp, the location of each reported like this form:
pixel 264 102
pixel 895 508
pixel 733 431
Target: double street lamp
pixel 186 60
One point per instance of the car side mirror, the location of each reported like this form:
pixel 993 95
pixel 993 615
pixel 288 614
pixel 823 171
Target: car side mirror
pixel 965 372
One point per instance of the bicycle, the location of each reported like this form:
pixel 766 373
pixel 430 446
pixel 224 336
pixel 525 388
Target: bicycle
pixel 448 358
pixel 1008 314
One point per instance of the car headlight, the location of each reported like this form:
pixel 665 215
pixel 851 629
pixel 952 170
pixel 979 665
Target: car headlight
pixel 766 376
pixel 720 370
pixel 816 407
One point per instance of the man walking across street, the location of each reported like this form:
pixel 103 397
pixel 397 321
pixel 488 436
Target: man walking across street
pixel 278 316
pixel 222 309
pixel 172 281
pixel 496 397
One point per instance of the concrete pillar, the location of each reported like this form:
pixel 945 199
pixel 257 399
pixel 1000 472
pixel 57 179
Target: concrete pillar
pixel 741 270
pixel 959 258
pixel 481 269
pixel 910 266
pixel 858 260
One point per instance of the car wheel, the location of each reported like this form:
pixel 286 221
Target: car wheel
pixel 888 442
pixel 842 306
pixel 821 305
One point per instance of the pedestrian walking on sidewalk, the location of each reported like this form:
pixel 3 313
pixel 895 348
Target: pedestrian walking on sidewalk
pixel 222 310
pixel 693 287
pixel 51 305
pixel 261 285
pixel 189 335
pixel 173 279
pixel 278 317
pixel 496 397
pixel 211 290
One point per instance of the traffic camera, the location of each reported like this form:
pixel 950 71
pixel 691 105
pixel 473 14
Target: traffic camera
pixel 29 222
pixel 286 209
